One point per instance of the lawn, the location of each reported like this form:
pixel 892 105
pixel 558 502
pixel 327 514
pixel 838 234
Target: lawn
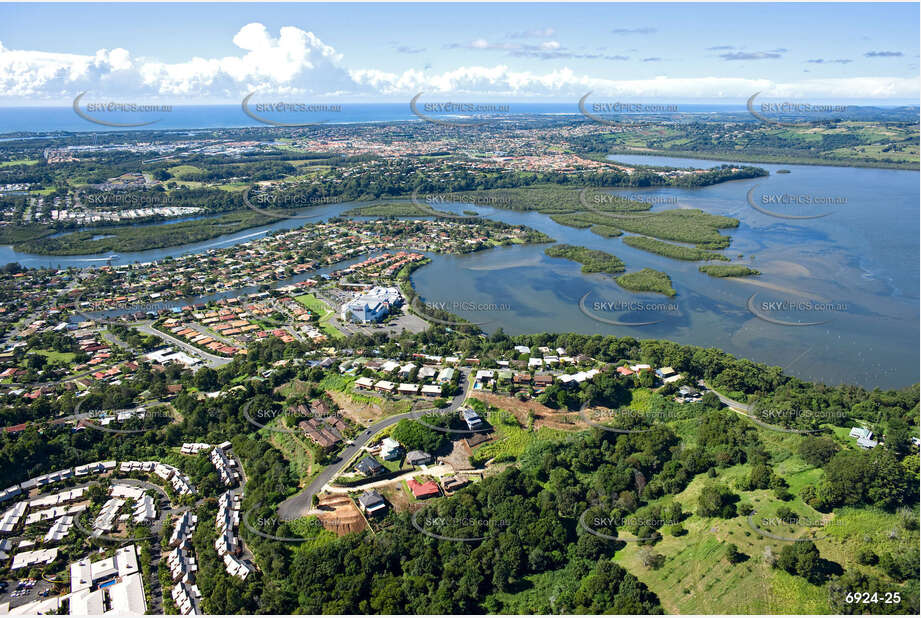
pixel 336 382
pixel 182 171
pixel 56 358
pixel 321 309
pixel 640 399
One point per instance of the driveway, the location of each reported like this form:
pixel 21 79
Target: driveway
pixel 437 471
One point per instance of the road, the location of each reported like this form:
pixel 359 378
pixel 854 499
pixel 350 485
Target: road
pixel 300 504
pixel 732 403
pixel 437 471
pixel 212 361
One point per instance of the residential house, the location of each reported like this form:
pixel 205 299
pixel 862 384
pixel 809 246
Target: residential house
pixel 421 491
pixel 418 458
pixel 369 466
pixel 391 449
pixel 372 503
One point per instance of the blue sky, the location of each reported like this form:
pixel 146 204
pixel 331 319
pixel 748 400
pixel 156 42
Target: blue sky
pixel 211 53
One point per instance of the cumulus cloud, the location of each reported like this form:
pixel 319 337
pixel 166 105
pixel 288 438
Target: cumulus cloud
pixel 824 61
pixel 294 62
pixel 502 81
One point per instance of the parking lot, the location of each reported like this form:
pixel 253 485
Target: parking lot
pixel 21 591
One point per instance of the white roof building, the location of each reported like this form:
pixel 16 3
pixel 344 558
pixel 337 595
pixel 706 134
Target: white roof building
pixel 59 529
pixel 25 559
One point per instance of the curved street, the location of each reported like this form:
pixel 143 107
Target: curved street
pixel 738 406
pixel 300 504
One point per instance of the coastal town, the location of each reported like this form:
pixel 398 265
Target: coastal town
pixel 224 388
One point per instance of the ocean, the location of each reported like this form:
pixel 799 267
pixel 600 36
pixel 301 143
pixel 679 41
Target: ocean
pixel 190 117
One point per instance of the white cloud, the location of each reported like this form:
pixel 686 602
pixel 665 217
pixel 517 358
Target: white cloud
pixel 297 62
pixel 499 81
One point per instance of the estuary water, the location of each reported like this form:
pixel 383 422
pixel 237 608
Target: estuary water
pixel 836 301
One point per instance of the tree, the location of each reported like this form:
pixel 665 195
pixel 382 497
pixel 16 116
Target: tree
pixel 711 400
pixel 416 436
pixel 733 555
pixel 867 477
pixel 716 501
pixel 761 477
pixel 867 557
pixel 817 450
pixel 801 558
pixel 206 379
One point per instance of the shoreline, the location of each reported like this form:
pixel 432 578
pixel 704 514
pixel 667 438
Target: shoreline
pixel 766 159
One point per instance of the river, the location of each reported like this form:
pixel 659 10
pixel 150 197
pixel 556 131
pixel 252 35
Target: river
pixel 851 276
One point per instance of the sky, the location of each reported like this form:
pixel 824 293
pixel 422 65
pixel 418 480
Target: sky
pixel 217 53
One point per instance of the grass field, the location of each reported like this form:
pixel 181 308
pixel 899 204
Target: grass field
pixel 18 162
pixel 309 527
pixel 295 450
pixel 511 438
pixel 56 358
pixel 324 312
pixel 182 171
pixel 696 577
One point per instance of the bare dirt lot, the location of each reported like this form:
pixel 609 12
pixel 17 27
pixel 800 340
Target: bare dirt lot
pixel 543 416
pixel 340 515
pixel 459 457
pixel 396 496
